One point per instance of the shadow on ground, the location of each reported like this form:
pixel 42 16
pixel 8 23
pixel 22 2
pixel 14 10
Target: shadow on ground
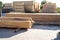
pixel 58 36
pixel 46 27
pixel 6 32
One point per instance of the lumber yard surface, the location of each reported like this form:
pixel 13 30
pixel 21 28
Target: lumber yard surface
pixel 37 32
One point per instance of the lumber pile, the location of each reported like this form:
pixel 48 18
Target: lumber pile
pixel 0 12
pixel 7 6
pixel 36 7
pixel 26 6
pixel 16 22
pixel 18 6
pixel 29 6
pixel 38 18
pixel 49 8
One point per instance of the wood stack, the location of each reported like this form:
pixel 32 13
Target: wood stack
pixel 23 5
pixel 7 6
pixel 29 6
pixel 36 7
pixel 38 18
pixel 49 8
pixel 18 6
pixel 16 22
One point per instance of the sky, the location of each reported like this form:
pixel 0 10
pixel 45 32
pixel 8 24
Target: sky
pixel 39 1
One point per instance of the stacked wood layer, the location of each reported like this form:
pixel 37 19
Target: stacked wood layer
pixel 16 22
pixel 28 5
pixel 49 8
pixel 38 18
pixel 18 6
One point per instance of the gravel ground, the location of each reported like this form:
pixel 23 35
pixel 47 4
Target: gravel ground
pixel 37 32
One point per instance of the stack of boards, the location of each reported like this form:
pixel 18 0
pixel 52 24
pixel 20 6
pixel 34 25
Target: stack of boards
pixel 42 18
pixel 18 6
pixel 16 22
pixel 23 6
pixel 49 8
pixel 7 6
pixel 29 6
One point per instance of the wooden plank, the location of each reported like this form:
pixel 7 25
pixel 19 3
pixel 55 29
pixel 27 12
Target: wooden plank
pixel 25 2
pixel 15 24
pixel 18 7
pixel 17 18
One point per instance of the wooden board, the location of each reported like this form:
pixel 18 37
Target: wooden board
pixel 15 24
pixel 25 2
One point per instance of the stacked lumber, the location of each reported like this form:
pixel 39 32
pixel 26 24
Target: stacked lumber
pixel 29 6
pixel 7 6
pixel 16 22
pixel 0 11
pixel 18 6
pixel 38 18
pixel 36 7
pixel 49 8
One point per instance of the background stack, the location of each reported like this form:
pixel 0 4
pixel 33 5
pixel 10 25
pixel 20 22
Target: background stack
pixel 7 6
pixel 18 6
pixel 29 6
pixel 49 8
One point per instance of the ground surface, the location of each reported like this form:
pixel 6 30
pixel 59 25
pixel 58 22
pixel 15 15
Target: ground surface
pixel 37 32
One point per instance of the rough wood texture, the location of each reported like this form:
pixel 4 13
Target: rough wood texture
pixel 36 7
pixel 49 8
pixel 7 5
pixel 42 17
pixel 16 22
pixel 28 5
pixel 25 2
pixel 18 6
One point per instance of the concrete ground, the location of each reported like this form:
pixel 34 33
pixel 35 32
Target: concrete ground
pixel 37 32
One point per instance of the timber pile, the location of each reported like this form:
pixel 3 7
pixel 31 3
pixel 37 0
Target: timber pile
pixel 38 18
pixel 49 8
pixel 16 22
pixel 7 6
pixel 26 6
pixel 18 6
pixel 29 6
pixel 36 7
